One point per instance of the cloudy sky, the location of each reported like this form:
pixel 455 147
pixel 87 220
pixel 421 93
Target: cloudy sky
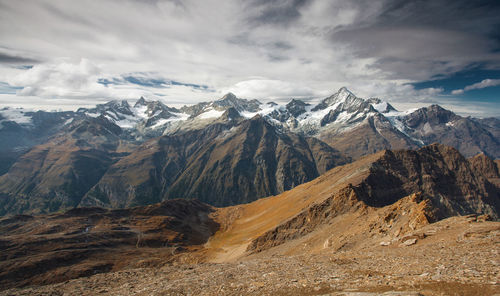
pixel 66 54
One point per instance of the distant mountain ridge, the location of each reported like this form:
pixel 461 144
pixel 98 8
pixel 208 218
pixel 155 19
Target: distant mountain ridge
pixel 224 152
pixel 332 120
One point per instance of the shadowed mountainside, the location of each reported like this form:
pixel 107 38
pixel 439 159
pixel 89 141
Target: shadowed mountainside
pixel 57 174
pixel 223 164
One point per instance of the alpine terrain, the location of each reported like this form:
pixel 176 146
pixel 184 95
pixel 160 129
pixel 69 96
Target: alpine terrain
pixel 224 152
pixel 402 222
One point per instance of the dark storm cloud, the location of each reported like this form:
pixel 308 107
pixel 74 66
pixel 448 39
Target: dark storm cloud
pixel 476 16
pixel 276 12
pixel 145 79
pixel 414 38
pixel 14 59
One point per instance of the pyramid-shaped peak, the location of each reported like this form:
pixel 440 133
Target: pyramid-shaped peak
pixel 229 96
pixel 230 100
pixel 296 102
pixel 436 107
pixel 343 93
pixel 141 102
pixel 344 89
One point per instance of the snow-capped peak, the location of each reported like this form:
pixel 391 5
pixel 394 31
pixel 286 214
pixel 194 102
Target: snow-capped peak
pixel 230 100
pixel 343 95
pixel 141 102
pixel 381 106
pixel 229 96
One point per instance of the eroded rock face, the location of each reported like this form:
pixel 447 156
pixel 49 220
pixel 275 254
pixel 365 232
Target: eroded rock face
pixel 485 165
pixel 439 172
pixel 410 188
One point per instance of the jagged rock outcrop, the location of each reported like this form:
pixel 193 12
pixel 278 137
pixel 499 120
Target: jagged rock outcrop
pixel 435 124
pixel 439 172
pixel 434 182
pixel 482 164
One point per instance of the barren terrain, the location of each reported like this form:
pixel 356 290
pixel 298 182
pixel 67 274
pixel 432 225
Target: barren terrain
pixel 458 256
pixel 355 230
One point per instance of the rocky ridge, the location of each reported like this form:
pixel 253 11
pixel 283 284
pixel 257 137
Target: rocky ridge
pixel 334 119
pixel 384 183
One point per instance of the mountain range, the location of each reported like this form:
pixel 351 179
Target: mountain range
pixel 383 209
pixel 224 152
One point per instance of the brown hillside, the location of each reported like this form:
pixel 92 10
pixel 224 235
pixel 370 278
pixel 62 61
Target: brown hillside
pixel 56 175
pixel 439 179
pixel 84 241
pixel 222 164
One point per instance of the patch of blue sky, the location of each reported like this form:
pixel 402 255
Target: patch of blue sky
pixel 6 88
pixel 461 80
pixel 149 82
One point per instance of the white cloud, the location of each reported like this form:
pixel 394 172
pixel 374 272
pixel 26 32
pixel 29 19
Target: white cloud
pixel 308 50
pixel 483 84
pixel 69 84
pixel 60 79
pixel 271 89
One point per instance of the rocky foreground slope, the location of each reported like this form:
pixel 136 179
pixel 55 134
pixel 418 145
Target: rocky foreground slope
pixel 386 222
